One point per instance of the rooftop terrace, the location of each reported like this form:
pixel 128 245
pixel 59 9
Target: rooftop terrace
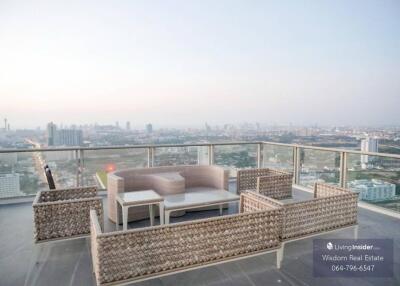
pixel 68 262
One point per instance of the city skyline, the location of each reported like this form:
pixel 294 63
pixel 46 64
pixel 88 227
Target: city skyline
pixel 135 126
pixel 174 63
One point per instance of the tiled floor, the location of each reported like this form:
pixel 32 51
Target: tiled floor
pixel 68 262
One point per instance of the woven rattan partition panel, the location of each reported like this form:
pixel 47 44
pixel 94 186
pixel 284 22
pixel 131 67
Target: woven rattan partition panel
pixel 269 182
pixel 319 215
pixel 278 185
pixel 325 190
pixel 141 253
pixel 253 202
pixel 247 179
pixel 60 214
pixel 333 208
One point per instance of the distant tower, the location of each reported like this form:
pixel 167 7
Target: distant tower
pixel 5 124
pixel 51 132
pixel 368 145
pixel 117 124
pixel 128 125
pixel 8 127
pixel 149 128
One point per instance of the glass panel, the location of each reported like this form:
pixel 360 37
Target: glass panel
pixel 319 166
pixel 21 174
pixel 97 163
pixel 235 157
pixel 278 157
pixel 202 155
pixel 171 156
pixel 63 166
pixel 376 178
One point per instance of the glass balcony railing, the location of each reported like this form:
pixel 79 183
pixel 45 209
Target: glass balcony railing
pixel 375 175
pixel 19 174
pixel 278 157
pixel 233 157
pixel 376 178
pixel 63 165
pixel 319 166
pixel 96 164
pixel 172 156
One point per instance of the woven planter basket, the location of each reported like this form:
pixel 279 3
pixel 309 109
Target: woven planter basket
pixel 64 213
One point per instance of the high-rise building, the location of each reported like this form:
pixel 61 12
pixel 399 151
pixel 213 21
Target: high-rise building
pixel 51 131
pixel 149 128
pixel 9 185
pixel 68 137
pixel 128 125
pixel 368 145
pixel 63 137
pixel 373 190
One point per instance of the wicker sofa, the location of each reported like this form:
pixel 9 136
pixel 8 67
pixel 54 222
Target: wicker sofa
pixel 331 208
pixel 139 254
pixel 268 182
pixel 164 180
pixel 64 213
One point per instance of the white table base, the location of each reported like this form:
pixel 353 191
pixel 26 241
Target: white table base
pixel 167 213
pixel 151 212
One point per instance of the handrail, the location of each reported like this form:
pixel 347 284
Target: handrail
pixel 333 149
pixel 145 146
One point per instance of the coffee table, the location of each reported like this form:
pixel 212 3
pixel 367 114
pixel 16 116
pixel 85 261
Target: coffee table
pixel 139 198
pixel 197 199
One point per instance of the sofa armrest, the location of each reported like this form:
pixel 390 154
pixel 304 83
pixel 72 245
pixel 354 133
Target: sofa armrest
pixel 115 184
pixel 219 178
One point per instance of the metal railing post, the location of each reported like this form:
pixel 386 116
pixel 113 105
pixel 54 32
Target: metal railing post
pixel 260 153
pixel 343 169
pixel 150 157
pixel 81 167
pixel 296 165
pixel 78 167
pixel 210 154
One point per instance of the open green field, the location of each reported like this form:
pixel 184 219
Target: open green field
pixel 102 175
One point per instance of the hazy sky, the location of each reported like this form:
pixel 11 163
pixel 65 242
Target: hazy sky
pixel 188 62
